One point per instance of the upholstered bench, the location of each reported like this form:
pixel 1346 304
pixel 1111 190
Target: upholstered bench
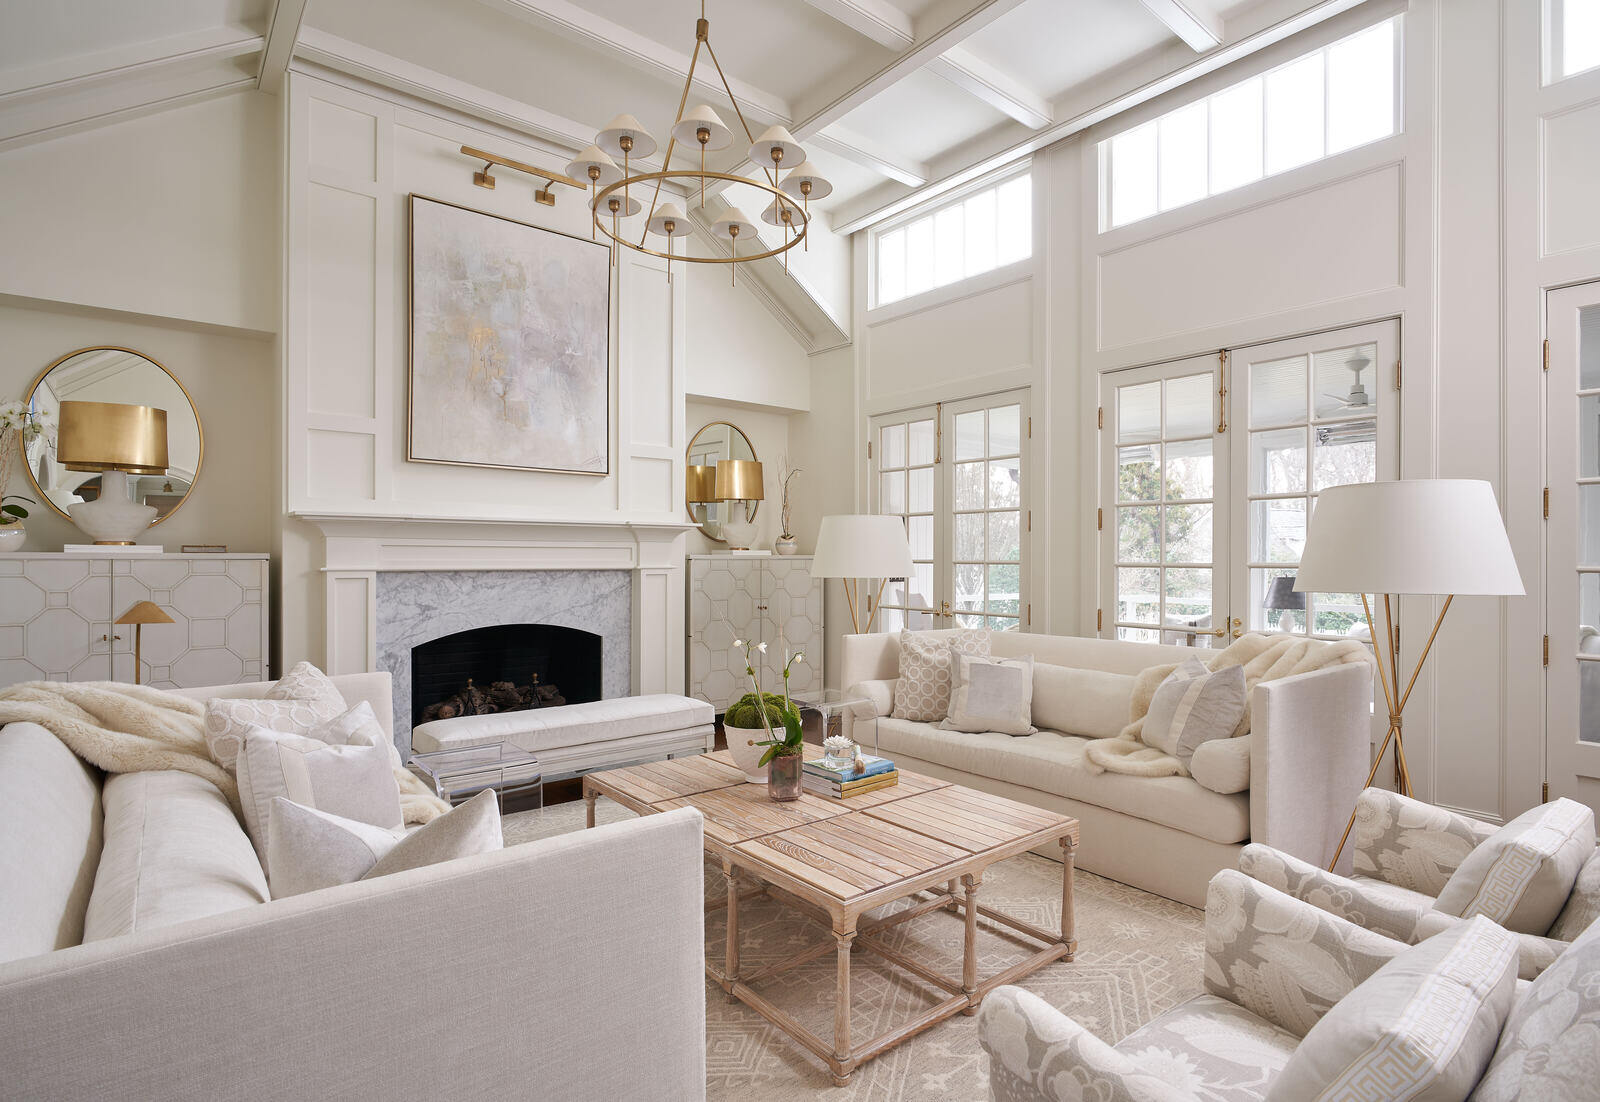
pixel 578 738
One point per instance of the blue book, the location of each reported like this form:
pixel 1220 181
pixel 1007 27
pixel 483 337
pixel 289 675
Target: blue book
pixel 818 767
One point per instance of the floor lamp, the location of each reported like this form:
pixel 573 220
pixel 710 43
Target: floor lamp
pixel 145 612
pixel 857 546
pixel 1435 537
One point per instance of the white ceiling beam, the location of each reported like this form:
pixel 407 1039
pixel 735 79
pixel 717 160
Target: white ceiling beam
pixel 850 146
pixel 1202 31
pixel 882 22
pixel 282 30
pixel 137 61
pixel 980 79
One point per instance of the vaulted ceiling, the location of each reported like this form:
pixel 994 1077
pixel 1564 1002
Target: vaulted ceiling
pixel 887 96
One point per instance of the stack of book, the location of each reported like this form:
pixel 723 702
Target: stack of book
pixel 822 779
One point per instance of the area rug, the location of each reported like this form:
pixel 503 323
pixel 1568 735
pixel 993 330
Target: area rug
pixel 1138 955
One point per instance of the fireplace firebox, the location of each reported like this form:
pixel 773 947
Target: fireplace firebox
pixel 534 665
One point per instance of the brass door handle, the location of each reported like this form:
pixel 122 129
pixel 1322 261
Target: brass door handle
pixel 1237 633
pixel 1218 632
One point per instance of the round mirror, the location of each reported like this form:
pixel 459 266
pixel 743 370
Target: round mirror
pixel 118 376
pixel 717 441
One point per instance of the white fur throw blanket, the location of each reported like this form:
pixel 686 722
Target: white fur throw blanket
pixel 133 728
pixel 1264 658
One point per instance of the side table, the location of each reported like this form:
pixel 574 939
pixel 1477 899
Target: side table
pixel 456 775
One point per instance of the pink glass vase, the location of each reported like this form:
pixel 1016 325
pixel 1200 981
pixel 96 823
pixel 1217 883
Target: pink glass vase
pixel 783 777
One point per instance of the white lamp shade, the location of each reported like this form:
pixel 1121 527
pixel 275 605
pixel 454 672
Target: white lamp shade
pixel 772 214
pixel 861 546
pixel 776 137
pixel 735 217
pixel 1434 536
pixel 609 172
pixel 703 118
pixel 669 212
pixel 627 205
pixel 806 173
pixel 625 126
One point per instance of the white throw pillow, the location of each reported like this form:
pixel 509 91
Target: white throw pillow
pixel 992 695
pixel 306 682
pixel 1222 765
pixel 1091 703
pixel 1583 904
pixel 1522 874
pixel 923 691
pixel 1194 705
pixel 354 780
pixel 1423 1027
pixel 309 849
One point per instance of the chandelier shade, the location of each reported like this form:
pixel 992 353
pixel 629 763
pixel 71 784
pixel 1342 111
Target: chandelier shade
pixel 781 213
pixel 670 221
pixel 687 131
pixel 624 137
pixel 805 173
pixel 595 166
pixel 626 205
pixel 733 225
pixel 775 146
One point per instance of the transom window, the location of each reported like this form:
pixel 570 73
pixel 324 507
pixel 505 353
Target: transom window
pixel 1326 102
pixel 1574 27
pixel 984 231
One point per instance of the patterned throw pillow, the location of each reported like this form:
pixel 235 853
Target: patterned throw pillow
pixel 1194 705
pixel 306 682
pixel 228 720
pixel 1423 1027
pixel 992 695
pixel 923 691
pixel 1522 875
pixel 1583 905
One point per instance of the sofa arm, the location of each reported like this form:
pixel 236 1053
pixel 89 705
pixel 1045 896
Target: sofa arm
pixel 1534 953
pixel 1282 959
pixel 1038 1054
pixel 1411 844
pixel 1351 900
pixel 1310 737
pixel 431 983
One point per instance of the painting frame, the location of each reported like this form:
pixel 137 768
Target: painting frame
pixel 605 390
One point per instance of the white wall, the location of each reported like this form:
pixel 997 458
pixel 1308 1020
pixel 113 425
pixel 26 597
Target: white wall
pixel 737 350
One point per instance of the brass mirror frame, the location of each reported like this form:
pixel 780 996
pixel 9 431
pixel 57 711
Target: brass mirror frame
pixel 688 506
pixel 199 427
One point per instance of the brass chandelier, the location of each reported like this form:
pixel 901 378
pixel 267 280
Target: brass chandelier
pixel 787 186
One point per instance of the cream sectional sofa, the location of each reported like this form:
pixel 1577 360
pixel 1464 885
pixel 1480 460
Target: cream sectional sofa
pixel 1308 758
pixel 140 958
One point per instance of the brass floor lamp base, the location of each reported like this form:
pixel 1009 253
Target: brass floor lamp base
pixel 1389 676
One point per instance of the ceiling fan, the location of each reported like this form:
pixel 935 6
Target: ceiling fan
pixel 1358 397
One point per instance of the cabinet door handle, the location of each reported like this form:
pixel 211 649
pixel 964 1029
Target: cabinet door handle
pixel 109 638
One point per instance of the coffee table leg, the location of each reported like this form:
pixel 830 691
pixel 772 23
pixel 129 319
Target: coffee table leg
pixel 844 933
pixel 969 956
pixel 1069 921
pixel 589 797
pixel 731 875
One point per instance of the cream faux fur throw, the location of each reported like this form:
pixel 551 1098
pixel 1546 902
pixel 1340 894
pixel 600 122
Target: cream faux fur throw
pixel 1264 658
pixel 133 728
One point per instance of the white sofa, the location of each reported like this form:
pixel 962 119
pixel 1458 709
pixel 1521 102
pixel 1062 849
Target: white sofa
pixel 569 968
pixel 1308 758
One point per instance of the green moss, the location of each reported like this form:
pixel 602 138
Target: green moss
pixel 746 712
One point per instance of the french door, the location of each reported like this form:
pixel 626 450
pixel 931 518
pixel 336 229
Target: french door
pixel 1211 467
pixel 955 473
pixel 1572 549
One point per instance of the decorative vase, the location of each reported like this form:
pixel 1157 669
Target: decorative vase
pixel 783 778
pixel 12 536
pixel 785 545
pixel 746 756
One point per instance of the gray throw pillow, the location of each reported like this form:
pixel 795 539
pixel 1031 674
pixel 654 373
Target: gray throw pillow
pixel 923 691
pixel 1194 705
pixel 992 695
pixel 1523 873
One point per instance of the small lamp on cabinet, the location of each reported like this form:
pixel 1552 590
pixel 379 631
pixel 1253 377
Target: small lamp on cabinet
pixel 140 614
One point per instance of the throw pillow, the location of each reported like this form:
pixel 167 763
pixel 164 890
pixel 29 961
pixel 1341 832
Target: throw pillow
pixel 309 849
pixel 923 691
pixel 228 719
pixel 1194 705
pixel 1091 703
pixel 306 682
pixel 1423 1027
pixel 1222 765
pixel 992 694
pixel 354 780
pixel 1583 905
pixel 1523 873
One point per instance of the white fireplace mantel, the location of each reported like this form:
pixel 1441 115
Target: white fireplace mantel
pixel 358 547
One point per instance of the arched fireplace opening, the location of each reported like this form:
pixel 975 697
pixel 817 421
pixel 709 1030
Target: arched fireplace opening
pixel 503 668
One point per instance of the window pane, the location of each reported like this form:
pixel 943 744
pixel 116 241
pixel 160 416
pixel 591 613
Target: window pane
pixel 1005 537
pixel 1589 347
pixel 980 230
pixel 1343 380
pixel 1138 538
pixel 1189 533
pixel 969 587
pixel 922 490
pixel 1005 430
pixel 921 595
pixel 969 435
pixel 1278 461
pixel 893 446
pixel 919 256
pixel 1138 477
pixel 1294 115
pixel 1139 413
pixel 1337 613
pixel 1138 599
pixel 1589 525
pixel 1005 483
pixel 1181 139
pixel 1236 136
pixel 969 485
pixel 1133 175
pixel 1278 391
pixel 1189 406
pixel 1005 589
pixel 1589 436
pixel 1264 595
pixel 1138 635
pixel 949 243
pixel 1345 452
pixel 1014 215
pixel 1188 470
pixel 1361 88
pixel 920 530
pixel 1588 614
pixel 1277 530
pixel 1189 597
pixel 892 266
pixel 921 442
pixel 894 493
pixel 969 537
pixel 1580 35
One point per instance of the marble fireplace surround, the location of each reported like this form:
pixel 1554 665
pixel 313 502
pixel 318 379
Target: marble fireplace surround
pixel 391 582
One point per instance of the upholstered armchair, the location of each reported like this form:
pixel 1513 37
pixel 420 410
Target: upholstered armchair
pixel 1405 852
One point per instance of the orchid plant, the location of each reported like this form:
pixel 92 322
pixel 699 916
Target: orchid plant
pixel 792 742
pixel 17 421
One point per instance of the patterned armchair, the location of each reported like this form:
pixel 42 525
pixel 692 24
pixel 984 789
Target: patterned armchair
pixel 1404 853
pixel 1274 966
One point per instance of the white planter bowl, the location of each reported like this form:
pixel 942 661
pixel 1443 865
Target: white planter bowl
pixel 12 537
pixel 745 756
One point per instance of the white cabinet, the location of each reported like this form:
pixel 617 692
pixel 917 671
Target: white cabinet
pixel 57 612
pixel 769 599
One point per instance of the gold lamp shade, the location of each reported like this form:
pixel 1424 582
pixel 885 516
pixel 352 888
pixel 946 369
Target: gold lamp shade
pixel 144 612
pixel 702 483
pixel 110 436
pixel 739 480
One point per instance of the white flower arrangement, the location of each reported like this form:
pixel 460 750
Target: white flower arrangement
pixel 17 420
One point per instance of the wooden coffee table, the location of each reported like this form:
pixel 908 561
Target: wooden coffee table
pixel 839 859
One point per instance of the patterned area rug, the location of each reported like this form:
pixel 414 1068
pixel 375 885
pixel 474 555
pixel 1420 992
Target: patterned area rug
pixel 1138 955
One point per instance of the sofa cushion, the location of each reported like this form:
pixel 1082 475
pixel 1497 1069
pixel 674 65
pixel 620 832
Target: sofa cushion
pixel 1194 705
pixel 354 780
pixel 1423 1027
pixel 1091 703
pixel 173 852
pixel 50 841
pixel 1523 873
pixel 1229 1050
pixel 1053 762
pixel 1222 765
pixel 992 694
pixel 1583 905
pixel 923 693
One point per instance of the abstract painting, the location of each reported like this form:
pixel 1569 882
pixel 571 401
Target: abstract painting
pixel 510 343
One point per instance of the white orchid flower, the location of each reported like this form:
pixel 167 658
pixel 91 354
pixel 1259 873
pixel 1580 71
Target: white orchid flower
pixel 799 656
pixel 762 647
pixel 738 642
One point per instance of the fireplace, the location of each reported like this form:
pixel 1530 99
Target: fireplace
pixel 543 664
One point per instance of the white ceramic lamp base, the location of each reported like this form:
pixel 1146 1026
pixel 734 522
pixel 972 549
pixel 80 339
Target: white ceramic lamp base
pixel 112 517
